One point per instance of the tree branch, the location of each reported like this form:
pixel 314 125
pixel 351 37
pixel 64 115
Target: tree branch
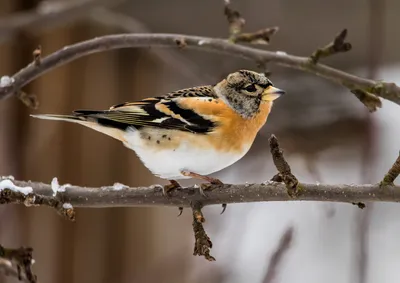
pixel 111 196
pixel 285 174
pixel 385 90
pixel 336 46
pixel 202 243
pixel 392 174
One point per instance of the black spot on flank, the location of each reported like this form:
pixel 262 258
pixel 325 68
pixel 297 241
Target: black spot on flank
pixel 164 136
pixel 169 138
pixel 158 141
pixel 210 100
pixel 149 138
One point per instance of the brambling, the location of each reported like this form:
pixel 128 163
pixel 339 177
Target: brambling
pixel 189 133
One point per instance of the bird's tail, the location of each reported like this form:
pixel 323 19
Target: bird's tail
pixel 68 118
pixel 87 121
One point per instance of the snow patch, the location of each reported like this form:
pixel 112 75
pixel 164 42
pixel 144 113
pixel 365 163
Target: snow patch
pixel 8 184
pixel 67 205
pixel 119 186
pixel 6 81
pixel 55 186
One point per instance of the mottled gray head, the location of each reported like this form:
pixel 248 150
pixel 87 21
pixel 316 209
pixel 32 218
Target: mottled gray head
pixel 245 90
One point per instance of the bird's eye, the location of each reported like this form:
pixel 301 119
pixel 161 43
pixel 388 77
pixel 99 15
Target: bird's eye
pixel 250 88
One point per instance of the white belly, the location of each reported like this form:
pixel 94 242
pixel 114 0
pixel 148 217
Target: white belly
pixel 168 163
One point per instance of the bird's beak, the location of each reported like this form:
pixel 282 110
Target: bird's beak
pixel 271 93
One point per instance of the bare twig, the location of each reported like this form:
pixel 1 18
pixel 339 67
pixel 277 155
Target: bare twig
pixel 392 174
pixel 29 100
pixel 21 259
pixel 49 14
pixel 285 173
pixel 36 199
pixel 336 46
pixel 262 36
pixel 37 55
pixel 218 194
pixel 67 54
pixel 371 101
pixel 202 244
pixel 236 23
pixel 235 20
pixel 277 256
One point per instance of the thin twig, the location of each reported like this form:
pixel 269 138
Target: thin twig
pixel 7 195
pixel 235 20
pixel 336 46
pixel 262 36
pixel 236 23
pixel 371 101
pixel 285 174
pixel 277 256
pixel 392 174
pixel 67 54
pixel 37 55
pixel 202 243
pixel 30 100
pixel 22 260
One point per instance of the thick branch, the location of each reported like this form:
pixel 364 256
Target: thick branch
pixel 385 90
pixel 152 196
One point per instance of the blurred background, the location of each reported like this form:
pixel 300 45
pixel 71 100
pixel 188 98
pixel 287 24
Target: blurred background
pixel 327 134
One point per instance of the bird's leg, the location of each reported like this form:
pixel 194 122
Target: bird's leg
pixel 209 179
pixel 173 185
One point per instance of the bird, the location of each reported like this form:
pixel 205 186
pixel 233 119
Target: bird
pixel 188 133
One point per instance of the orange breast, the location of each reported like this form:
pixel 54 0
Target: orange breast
pixel 234 133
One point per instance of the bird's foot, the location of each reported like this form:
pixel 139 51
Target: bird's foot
pixel 174 185
pixel 211 180
pixel 204 187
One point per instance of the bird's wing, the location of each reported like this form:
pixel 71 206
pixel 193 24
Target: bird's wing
pixel 176 110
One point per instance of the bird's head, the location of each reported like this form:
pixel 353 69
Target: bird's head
pixel 245 90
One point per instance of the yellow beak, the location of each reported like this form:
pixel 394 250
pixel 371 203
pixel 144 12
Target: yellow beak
pixel 271 93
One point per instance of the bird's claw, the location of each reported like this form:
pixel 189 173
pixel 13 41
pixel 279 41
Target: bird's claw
pixel 174 185
pixel 180 211
pixel 224 205
pixel 204 187
pixel 215 181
